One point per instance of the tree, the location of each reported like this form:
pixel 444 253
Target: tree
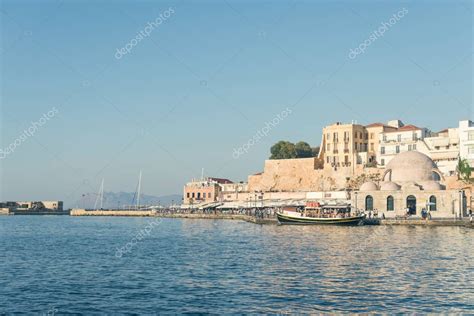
pixel 464 170
pixel 283 150
pixel 303 150
pixel 315 151
pixel 288 150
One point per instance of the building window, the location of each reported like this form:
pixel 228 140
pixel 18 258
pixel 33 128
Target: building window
pixel 329 147
pixel 328 136
pixel 372 147
pixel 432 203
pixel 399 138
pixel 327 159
pixel 193 195
pixel 199 195
pixel 187 195
pixel 382 162
pixel 409 147
pixel 371 135
pixel 369 203
pixel 470 149
pixel 414 137
pixel 390 203
pixel 382 150
pixel 384 138
pixel 397 149
pixel 414 146
pixel 470 135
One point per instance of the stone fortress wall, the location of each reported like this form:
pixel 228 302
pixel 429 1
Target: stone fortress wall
pixel 302 175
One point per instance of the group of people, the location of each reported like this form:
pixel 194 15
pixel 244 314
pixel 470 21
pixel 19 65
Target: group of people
pixel 257 212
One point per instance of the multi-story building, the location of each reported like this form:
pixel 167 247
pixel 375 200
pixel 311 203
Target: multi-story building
pixel 204 190
pixel 402 139
pixel 374 130
pixel 466 141
pixel 232 191
pixel 344 145
pixel 443 149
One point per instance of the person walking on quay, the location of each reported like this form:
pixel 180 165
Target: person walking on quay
pixel 470 216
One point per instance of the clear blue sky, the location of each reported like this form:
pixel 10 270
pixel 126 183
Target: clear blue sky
pixel 206 80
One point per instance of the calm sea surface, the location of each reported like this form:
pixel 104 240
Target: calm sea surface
pixel 60 264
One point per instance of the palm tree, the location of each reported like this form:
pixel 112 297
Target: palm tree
pixel 464 170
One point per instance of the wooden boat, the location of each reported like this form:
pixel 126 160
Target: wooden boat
pixel 296 218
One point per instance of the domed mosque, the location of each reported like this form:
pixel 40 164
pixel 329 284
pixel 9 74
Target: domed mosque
pixel 411 182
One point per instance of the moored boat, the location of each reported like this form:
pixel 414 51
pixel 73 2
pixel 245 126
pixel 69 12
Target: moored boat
pixel 297 218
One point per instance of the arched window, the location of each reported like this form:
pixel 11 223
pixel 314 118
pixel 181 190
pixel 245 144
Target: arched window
pixel 432 203
pixel 369 203
pixel 390 203
pixel 436 176
pixel 411 204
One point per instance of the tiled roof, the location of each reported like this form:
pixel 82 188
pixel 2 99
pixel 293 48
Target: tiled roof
pixel 375 125
pixel 221 180
pixel 406 128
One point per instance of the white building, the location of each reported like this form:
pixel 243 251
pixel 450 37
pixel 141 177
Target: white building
pixel 442 147
pixel 466 141
pixel 405 138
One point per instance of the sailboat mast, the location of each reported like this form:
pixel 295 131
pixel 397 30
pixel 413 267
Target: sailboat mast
pixel 138 190
pixel 102 194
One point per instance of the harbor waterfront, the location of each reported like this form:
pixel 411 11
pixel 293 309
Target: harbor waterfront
pixel 224 266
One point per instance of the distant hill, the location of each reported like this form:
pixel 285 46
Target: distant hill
pixel 119 199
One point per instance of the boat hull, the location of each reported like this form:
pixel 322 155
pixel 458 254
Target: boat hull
pixel 294 220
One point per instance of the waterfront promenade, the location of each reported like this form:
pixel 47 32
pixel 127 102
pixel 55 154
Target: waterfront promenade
pixel 259 217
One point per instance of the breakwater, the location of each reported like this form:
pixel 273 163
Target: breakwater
pixel 83 212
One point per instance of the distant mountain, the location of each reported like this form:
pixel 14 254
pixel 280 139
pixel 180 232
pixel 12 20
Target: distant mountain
pixel 121 199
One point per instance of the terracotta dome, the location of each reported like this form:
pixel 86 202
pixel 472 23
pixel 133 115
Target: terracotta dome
pixel 368 186
pixel 389 186
pixel 411 166
pixel 432 186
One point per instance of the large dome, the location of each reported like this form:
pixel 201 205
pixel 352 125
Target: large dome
pixel 411 166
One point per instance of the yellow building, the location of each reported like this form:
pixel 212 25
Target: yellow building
pixel 344 145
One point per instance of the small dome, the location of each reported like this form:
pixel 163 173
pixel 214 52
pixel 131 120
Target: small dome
pixel 368 186
pixel 412 186
pixel 432 186
pixel 389 186
pixel 411 166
